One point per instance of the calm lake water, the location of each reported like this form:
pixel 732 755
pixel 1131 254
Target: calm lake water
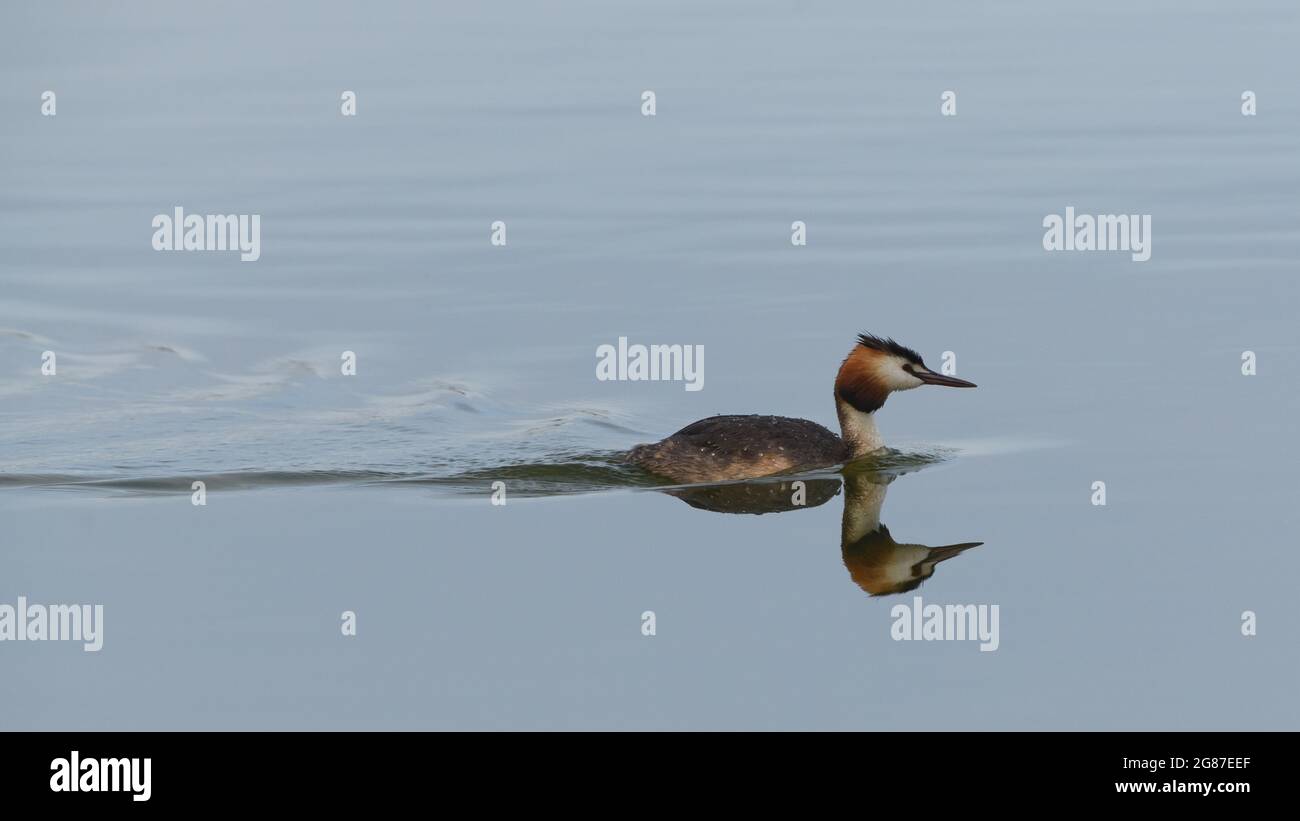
pixel 370 493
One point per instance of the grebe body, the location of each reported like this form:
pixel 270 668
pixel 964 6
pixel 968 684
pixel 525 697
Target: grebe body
pixel 722 448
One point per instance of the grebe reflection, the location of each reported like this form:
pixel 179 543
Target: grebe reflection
pixel 876 562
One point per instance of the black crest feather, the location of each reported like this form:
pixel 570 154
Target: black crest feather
pixel 887 345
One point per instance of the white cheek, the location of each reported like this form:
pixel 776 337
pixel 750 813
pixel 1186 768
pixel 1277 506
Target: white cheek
pixel 906 382
pixel 893 375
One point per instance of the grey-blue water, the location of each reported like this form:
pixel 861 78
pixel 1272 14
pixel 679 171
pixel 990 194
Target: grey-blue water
pixel 476 363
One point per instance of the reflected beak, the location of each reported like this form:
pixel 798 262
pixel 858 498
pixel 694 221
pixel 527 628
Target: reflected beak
pixel 939 554
pixel 932 378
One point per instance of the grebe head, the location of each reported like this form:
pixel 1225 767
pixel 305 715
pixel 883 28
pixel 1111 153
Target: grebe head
pixel 877 367
pixel 873 370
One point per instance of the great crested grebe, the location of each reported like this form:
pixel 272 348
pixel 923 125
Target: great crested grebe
pixel 746 447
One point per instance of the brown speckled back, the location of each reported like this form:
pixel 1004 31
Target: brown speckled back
pixel 723 448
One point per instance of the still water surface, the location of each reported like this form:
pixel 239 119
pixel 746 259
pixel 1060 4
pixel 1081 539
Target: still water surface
pixel 475 363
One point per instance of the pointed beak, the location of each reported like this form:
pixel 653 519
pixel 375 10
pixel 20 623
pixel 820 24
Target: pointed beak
pixel 932 378
pixel 939 554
